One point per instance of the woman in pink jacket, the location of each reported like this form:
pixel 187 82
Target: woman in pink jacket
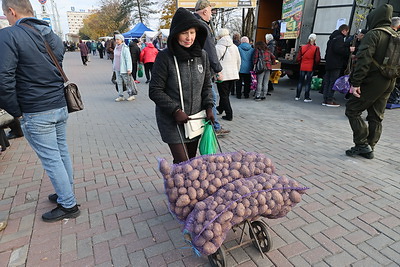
pixel 148 56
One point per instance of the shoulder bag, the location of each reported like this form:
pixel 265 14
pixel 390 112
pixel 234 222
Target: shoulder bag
pixel 5 118
pixel 194 126
pixel 71 92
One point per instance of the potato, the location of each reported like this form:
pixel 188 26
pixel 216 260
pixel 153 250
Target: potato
pixel 228 195
pixel 247 212
pixel 209 248
pixel 199 241
pixel 246 202
pixel 230 187
pixel 218 174
pixel 236 220
pixel 244 171
pixel 193 175
pixel 182 190
pixel 262 209
pixel 213 205
pixel 179 180
pixel 236 156
pixel 260 165
pixel 192 193
pixel 252 167
pixel 224 181
pixel 173 194
pixel 187 168
pixel 204 184
pixel 226 216
pixel 243 190
pixel 277 197
pixel 220 159
pixel 193 202
pixel 261 199
pixel 237 183
pixel 201 206
pixel 185 211
pixel 196 184
pixel 254 211
pixel 220 208
pixel 212 167
pixel 225 172
pixel 240 209
pixel 233 205
pixel 220 166
pixel 210 214
pixel 236 196
pixel 178 211
pixel 187 183
pixel 177 169
pixel 200 194
pixel 295 197
pixel 195 163
pixel 217 229
pixel 235 165
pixel 169 183
pixel 271 204
pixel 258 187
pixel 210 177
pixel 219 200
pixel 268 170
pixel 164 167
pixel 183 200
pixel 217 240
pixel 211 189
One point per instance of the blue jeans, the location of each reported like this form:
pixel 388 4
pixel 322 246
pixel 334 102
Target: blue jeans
pixel 304 79
pixel 46 133
pixel 217 126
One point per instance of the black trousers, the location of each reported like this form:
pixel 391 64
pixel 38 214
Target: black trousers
pixel 134 69
pixel 245 79
pixel 84 59
pixel 224 89
pixel 178 151
pixel 148 67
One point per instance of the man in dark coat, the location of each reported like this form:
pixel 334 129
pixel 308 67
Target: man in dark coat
pixel 135 55
pixel 337 55
pixel 369 87
pixel 203 13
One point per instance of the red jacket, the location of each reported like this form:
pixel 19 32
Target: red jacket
pixel 309 56
pixel 148 54
pixel 268 57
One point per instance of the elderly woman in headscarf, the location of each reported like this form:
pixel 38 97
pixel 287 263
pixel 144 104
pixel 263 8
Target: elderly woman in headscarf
pixel 122 65
pixel 185 44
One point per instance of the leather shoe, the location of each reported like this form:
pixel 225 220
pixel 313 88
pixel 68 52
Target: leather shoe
pixel 226 118
pixel 11 135
pixel 60 213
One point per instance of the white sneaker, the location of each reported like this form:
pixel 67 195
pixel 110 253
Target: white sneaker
pixel 118 99
pixel 132 97
pixel 307 100
pixel 297 98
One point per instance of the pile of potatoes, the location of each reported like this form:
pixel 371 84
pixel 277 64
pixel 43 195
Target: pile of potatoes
pixel 194 180
pixel 265 195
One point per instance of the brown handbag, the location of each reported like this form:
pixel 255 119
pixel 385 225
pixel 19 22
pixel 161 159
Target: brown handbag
pixel 71 92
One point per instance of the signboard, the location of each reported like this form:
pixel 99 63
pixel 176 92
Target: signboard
pixel 292 11
pixel 42 1
pixel 220 3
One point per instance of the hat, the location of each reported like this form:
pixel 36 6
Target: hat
pixel 135 40
pixel 116 32
pixel 202 4
pixel 119 36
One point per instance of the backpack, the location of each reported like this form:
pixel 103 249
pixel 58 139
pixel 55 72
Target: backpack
pixel 260 67
pixel 390 67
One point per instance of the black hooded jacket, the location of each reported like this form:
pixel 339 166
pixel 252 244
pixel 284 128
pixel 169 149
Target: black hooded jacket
pixel 337 51
pixel 194 69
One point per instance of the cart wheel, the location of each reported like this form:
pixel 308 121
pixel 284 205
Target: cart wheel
pixel 261 231
pixel 218 258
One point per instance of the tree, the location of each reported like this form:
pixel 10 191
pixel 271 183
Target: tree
pixel 168 11
pixel 137 10
pixel 105 21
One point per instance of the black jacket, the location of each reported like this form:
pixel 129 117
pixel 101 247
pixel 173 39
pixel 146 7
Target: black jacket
pixel 29 80
pixel 135 52
pixel 337 51
pixel 194 70
pixel 209 46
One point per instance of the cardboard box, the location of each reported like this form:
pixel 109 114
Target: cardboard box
pixel 289 56
pixel 277 66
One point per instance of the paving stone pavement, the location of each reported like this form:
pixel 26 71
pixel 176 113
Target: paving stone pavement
pixel 349 216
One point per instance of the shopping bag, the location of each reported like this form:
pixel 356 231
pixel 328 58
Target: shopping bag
pixel 253 85
pixel 208 142
pixel 316 83
pixel 342 84
pixel 140 71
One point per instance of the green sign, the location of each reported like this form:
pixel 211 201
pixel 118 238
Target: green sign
pixel 292 11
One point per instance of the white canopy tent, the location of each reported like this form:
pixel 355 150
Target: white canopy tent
pixel 148 36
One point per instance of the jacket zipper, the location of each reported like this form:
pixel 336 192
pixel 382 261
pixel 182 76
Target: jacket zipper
pixel 191 87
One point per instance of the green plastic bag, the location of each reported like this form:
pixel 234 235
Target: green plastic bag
pixel 208 142
pixel 140 71
pixel 316 83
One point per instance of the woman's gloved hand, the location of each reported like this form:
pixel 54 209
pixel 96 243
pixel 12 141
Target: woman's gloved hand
pixel 180 117
pixel 210 115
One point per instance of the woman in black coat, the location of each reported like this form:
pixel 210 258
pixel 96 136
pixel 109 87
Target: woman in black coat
pixel 185 42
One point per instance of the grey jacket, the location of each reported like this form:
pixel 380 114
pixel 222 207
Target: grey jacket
pixel 164 91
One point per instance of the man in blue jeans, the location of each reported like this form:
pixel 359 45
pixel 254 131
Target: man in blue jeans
pixel 32 90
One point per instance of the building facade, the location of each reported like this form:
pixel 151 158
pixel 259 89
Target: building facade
pixel 75 20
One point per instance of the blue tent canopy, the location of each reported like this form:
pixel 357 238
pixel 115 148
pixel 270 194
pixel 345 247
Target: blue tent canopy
pixel 136 31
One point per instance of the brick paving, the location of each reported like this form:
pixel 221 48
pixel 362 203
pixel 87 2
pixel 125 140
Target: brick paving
pixel 349 217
